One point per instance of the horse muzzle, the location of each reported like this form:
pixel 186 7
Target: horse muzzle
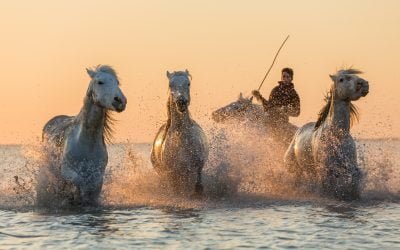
pixel 182 105
pixel 365 90
pixel 119 104
pixel 219 116
pixel 216 116
pixel 363 87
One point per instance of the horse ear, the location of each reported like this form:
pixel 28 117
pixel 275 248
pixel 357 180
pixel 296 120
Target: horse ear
pixel 187 73
pixel 333 77
pixel 169 74
pixel 90 72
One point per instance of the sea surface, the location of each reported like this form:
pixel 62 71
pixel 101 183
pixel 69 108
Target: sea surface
pixel 250 202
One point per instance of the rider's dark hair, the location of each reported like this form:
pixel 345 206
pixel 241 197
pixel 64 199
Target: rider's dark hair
pixel 289 71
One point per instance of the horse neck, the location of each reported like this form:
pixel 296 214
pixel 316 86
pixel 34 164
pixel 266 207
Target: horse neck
pixel 91 120
pixel 339 115
pixel 176 119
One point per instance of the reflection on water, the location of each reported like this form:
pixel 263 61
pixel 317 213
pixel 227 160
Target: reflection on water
pixel 180 220
pixel 321 224
pixel 99 223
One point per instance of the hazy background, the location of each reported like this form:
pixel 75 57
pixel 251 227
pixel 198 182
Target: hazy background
pixel 226 45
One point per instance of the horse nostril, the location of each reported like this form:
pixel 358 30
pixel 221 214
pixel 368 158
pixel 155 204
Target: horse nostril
pixel 117 99
pixel 182 102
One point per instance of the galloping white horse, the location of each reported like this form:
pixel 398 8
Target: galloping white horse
pixel 79 142
pixel 325 149
pixel 180 148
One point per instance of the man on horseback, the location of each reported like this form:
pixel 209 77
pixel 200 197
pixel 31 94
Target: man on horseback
pixel 282 103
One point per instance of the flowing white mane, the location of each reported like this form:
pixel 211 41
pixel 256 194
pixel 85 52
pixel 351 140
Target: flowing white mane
pixel 105 69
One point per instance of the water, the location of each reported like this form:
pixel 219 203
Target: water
pixel 249 203
pixel 278 225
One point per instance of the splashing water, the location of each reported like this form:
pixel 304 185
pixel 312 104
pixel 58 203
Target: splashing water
pixel 244 167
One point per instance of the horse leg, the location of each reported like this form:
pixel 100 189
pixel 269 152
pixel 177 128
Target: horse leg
pixel 90 192
pixel 291 164
pixel 89 197
pixel 352 188
pixel 198 188
pixel 336 182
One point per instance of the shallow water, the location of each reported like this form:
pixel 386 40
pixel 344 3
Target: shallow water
pixel 278 225
pixel 247 205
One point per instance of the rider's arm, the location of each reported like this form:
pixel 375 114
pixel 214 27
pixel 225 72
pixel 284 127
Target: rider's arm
pixel 266 104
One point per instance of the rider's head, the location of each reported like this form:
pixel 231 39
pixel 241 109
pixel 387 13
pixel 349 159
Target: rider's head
pixel 287 75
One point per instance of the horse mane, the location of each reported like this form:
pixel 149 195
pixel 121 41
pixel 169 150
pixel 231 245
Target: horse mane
pixel 354 115
pixel 109 120
pixel 324 112
pixel 349 71
pixel 181 73
pixel 106 69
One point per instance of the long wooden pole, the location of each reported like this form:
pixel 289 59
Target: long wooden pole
pixel 273 62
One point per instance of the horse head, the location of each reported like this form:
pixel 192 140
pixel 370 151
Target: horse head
pixel 104 89
pixel 179 88
pixel 233 110
pixel 349 86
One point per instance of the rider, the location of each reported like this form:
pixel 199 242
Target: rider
pixel 282 103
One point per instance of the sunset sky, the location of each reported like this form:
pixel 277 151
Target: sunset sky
pixel 227 45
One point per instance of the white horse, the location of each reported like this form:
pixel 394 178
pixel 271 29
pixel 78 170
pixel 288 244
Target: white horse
pixel 79 143
pixel 180 148
pixel 325 150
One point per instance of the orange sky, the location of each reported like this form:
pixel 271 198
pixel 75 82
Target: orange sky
pixel 227 45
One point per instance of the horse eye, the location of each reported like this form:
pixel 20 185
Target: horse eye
pixel 100 82
pixel 341 80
